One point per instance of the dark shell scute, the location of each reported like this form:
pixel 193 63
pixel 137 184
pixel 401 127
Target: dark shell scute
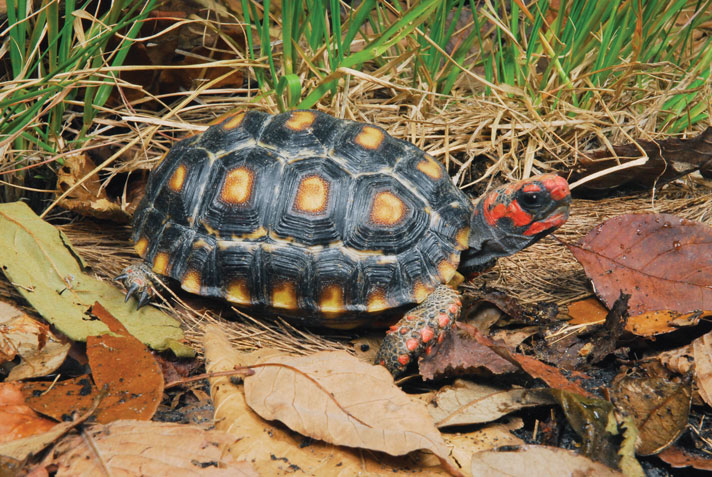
pixel 363 233
pixel 230 219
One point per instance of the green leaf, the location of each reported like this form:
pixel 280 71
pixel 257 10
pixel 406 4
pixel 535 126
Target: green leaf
pixel 41 263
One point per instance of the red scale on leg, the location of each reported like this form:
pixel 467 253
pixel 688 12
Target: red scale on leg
pixel 443 320
pixel 411 344
pixel 426 334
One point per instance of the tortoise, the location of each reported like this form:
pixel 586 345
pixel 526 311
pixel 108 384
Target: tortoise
pixel 329 222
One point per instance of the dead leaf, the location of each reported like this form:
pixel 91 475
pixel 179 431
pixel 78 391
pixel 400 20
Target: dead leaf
pixel 667 159
pixel 17 420
pixel 678 360
pixel 275 450
pixel 593 420
pixel 651 323
pixel 21 449
pixel 460 354
pixel 466 402
pixel 537 461
pixel 659 408
pixel 664 262
pixel 679 458
pixel 41 351
pixel 603 339
pixel 335 397
pixel 60 400
pixel 147 448
pixel 90 198
pixel 702 349
pixel 587 312
pixel 535 368
pixel 129 372
pixel 40 262
pixel 491 436
pixel 628 463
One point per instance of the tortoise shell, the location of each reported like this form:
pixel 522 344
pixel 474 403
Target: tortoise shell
pixel 305 214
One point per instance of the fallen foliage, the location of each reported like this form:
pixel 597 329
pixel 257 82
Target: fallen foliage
pixel 130 448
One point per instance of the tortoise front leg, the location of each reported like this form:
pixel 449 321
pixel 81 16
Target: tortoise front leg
pixel 139 280
pixel 421 328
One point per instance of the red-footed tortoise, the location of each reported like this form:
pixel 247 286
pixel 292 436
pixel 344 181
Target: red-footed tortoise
pixel 330 222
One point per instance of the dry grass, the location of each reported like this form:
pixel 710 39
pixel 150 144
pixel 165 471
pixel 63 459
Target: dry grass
pixel 483 141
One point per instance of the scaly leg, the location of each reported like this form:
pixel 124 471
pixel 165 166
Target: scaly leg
pixel 421 328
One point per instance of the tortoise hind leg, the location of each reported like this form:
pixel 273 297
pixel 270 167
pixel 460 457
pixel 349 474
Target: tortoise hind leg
pixel 421 328
pixel 138 279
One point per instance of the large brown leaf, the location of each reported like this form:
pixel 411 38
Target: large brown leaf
pixel 536 461
pixel 131 448
pixel 122 364
pixel 659 408
pixel 466 402
pixel 662 261
pixel 336 397
pixel 274 449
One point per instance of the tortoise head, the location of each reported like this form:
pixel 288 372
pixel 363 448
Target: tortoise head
pixel 512 217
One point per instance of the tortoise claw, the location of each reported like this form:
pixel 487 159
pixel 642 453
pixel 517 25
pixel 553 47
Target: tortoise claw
pixel 131 291
pixel 121 277
pixel 144 298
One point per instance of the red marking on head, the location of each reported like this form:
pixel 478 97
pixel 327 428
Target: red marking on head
pixel 454 308
pixel 549 223
pixel 403 330
pixel 458 303
pixel 518 216
pixel 493 213
pixel 426 334
pixel 557 186
pixel 428 350
pixel 531 188
pixel 443 320
pixel 404 359
pixel 410 317
pixel 392 329
pixel 382 362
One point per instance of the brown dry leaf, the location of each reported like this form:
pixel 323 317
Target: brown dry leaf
pixel 128 448
pixel 659 408
pixel 61 399
pixel 460 354
pixel 667 159
pixel 335 397
pixel 129 371
pixel 466 402
pixel 90 198
pixel 593 419
pixel 537 461
pixel 549 374
pixel 272 448
pixel 41 351
pixel 702 350
pixel 678 360
pixel 21 449
pixel 662 261
pixel 17 420
pixel 492 436
pixel 679 458
pixel 587 312
pixel 651 323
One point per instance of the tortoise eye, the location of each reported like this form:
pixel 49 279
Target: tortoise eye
pixel 531 200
